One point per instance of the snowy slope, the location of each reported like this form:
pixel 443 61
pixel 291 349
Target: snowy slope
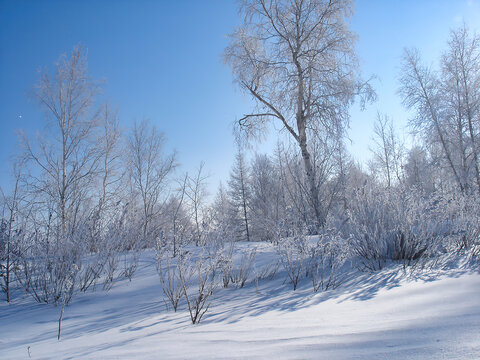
pixel 382 316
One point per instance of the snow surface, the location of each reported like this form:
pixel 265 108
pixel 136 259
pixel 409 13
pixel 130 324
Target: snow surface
pixel 387 315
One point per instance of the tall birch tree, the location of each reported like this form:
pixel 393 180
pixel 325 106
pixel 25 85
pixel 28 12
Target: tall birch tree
pixel 297 60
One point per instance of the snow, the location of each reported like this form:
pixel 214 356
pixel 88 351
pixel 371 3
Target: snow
pixel 386 315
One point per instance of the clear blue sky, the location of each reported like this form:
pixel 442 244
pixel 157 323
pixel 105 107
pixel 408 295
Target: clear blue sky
pixel 162 61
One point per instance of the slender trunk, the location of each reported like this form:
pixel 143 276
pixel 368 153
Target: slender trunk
pixel 245 215
pixel 460 127
pixel 7 273
pixel 146 220
pixel 314 196
pixel 197 224
pixel 174 237
pixel 60 321
pixel 244 201
pixel 9 240
pixel 63 185
pixel 387 157
pixel 302 141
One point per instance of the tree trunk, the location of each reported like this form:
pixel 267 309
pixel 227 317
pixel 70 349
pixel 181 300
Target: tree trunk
pixel 60 320
pixel 302 141
pixel 244 201
pixel 246 219
pixel 314 196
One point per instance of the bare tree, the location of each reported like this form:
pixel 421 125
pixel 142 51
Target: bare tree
pixel 388 150
pixel 196 192
pixel 177 202
pixel 222 228
pixel 461 82
pixel 447 102
pixel 149 168
pixel 297 61
pixel 67 155
pixel 7 231
pixel 110 170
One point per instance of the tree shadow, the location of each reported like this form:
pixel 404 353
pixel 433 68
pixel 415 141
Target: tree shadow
pixel 277 294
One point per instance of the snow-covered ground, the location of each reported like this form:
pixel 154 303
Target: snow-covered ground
pixel 387 315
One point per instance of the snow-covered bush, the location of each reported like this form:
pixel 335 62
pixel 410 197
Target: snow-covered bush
pixel 44 273
pixel 224 264
pixel 100 263
pixel 202 273
pixel 294 253
pixel 91 271
pixel 390 224
pixel 327 259
pixel 169 271
pixel 239 275
pixel 460 215
pixel 267 272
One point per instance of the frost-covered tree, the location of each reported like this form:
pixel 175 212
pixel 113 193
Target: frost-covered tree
pixel 149 168
pixel 297 60
pixel 9 228
pixel 67 155
pixel 110 175
pixel 177 215
pixel 447 102
pixel 388 151
pixel 239 192
pixel 222 215
pixel 419 170
pixel 460 73
pixel 265 198
pixel 196 193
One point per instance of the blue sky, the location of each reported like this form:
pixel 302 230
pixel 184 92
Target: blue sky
pixel 162 61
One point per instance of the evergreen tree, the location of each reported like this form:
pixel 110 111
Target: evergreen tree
pixel 240 193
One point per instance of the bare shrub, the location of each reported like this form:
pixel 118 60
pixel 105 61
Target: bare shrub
pixel 225 264
pixel 240 274
pixel 390 224
pixel 91 271
pixel 44 272
pixel 110 270
pixel 293 254
pixel 169 271
pixel 130 263
pixel 327 258
pixel 202 271
pixel 121 242
pixel 267 272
